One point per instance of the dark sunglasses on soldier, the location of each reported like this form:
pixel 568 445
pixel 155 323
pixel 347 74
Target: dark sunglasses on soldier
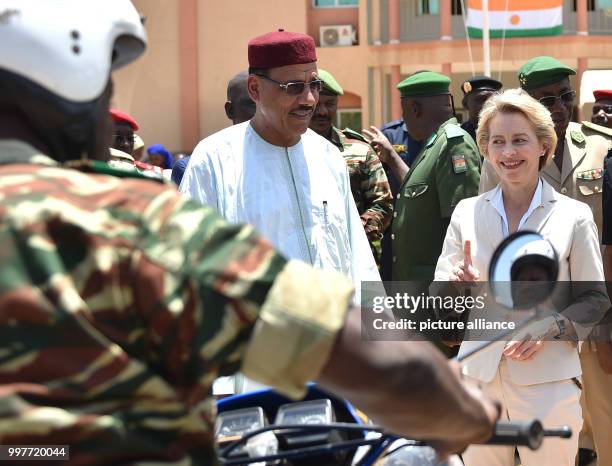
pixel 550 100
pixel 297 87
pixel 606 109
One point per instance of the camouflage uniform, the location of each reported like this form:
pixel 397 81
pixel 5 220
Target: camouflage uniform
pixel 121 302
pixel 369 184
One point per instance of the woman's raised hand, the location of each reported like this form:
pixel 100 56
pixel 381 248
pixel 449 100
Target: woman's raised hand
pixel 465 271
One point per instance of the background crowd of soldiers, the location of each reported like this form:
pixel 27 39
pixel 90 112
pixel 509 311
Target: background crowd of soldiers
pixel 406 152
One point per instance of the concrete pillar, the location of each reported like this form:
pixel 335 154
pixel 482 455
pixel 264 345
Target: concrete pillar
pixel 447 69
pixel 396 104
pixel 446 27
pixel 188 62
pixel 582 18
pixel 394 22
pixel 583 65
pixel 363 19
pixel 376 117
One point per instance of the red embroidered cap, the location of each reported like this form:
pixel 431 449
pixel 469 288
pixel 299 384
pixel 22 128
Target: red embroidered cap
pixel 281 48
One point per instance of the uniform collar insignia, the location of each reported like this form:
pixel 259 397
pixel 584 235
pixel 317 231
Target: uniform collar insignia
pixel 577 137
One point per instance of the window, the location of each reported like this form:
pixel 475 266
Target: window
pixel 591 4
pixel 603 4
pixel 335 3
pixel 432 7
pixel 428 7
pixel 349 118
pixel 456 7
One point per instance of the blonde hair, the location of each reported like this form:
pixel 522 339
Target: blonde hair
pixel 517 101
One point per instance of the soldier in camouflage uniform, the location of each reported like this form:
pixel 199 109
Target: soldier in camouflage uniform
pixel 121 301
pixel 369 184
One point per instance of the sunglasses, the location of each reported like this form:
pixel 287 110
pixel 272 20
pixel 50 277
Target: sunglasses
pixel 550 100
pixel 297 87
pixel 606 109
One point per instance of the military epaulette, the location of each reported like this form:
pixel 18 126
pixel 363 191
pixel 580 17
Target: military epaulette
pixel 349 133
pixel 103 168
pixel 356 148
pixel 454 131
pixel 392 124
pixel 577 137
pixel 598 128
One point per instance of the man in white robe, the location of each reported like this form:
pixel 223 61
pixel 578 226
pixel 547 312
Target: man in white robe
pixel 276 174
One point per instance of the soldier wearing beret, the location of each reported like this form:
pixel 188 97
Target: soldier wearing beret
pixel 577 171
pixel 407 147
pixel 369 183
pixel 446 171
pixel 476 91
pixel 124 129
pixel 602 108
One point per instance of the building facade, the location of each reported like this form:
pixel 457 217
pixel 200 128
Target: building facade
pixel 177 91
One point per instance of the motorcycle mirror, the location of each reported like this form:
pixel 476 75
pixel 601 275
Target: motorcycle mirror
pixel 522 274
pixel 523 271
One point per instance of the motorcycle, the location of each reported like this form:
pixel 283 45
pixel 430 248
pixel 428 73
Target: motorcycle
pixel 325 430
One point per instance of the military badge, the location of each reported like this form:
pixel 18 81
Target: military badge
pixel 459 164
pixel 577 137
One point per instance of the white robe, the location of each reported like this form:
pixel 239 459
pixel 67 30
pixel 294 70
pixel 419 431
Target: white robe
pixel 298 197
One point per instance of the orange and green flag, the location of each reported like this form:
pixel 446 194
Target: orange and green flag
pixel 516 18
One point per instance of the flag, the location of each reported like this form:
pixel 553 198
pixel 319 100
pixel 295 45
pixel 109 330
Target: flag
pixel 519 18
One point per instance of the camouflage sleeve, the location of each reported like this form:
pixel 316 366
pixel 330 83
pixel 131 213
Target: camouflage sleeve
pixel 123 301
pixel 231 302
pixel 378 201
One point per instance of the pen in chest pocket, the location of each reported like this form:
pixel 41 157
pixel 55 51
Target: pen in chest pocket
pixel 325 212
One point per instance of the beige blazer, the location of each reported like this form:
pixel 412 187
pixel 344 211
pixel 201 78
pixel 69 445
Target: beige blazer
pixel 582 178
pixel 569 226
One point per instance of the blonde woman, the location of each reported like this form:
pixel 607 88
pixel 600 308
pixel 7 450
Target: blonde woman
pixel 532 378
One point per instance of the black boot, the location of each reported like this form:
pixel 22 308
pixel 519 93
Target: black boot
pixel 586 456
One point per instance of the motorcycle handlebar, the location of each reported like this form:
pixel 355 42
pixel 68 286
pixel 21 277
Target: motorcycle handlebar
pixel 528 434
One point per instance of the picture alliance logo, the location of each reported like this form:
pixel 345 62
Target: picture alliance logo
pixel 410 303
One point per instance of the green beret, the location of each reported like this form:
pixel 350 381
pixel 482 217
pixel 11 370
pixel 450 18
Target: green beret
pixel 541 71
pixel 330 85
pixel 426 83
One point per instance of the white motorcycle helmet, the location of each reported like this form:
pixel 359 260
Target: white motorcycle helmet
pixel 55 62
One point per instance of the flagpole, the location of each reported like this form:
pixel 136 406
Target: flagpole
pixel 486 50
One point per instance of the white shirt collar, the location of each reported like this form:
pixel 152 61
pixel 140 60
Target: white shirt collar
pixel 497 201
